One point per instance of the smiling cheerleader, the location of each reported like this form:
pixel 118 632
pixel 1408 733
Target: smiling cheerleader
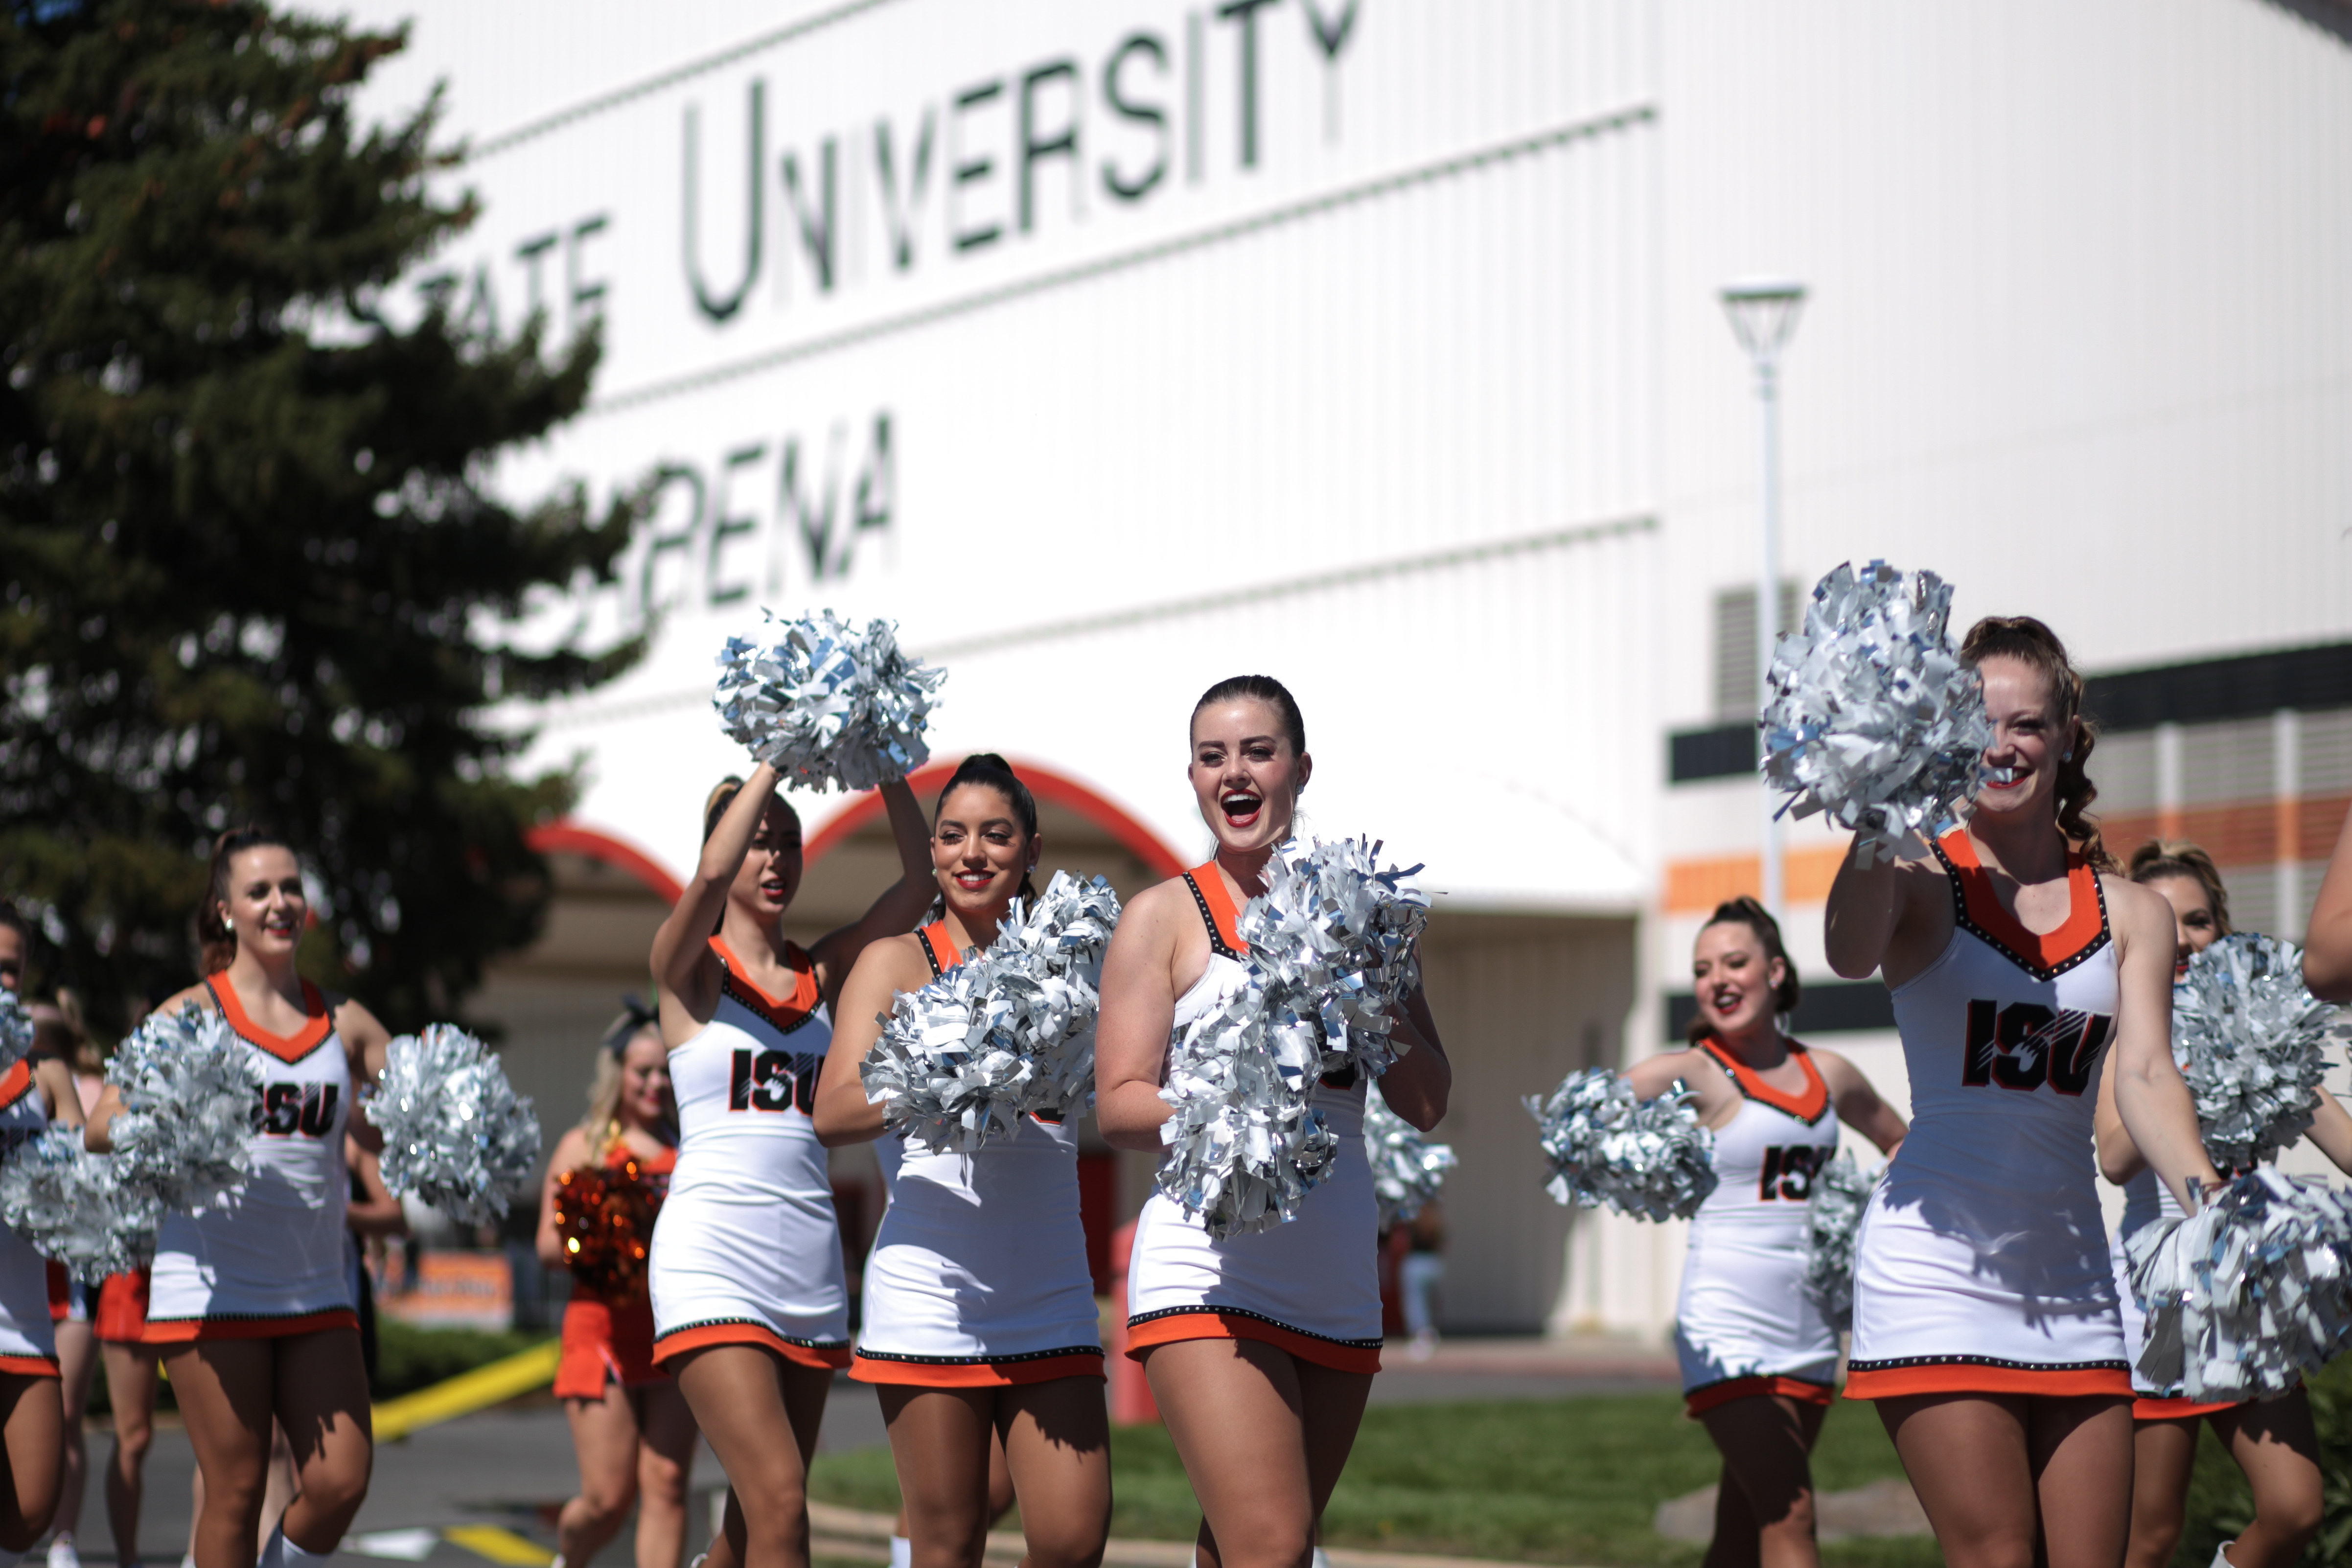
pixel 750 1304
pixel 1260 1347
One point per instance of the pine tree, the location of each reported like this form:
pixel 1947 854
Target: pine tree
pixel 253 569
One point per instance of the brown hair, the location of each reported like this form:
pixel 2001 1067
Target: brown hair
pixel 2029 642
pixel 215 938
pixel 1745 910
pixel 722 795
pixel 2161 857
pixel 1265 689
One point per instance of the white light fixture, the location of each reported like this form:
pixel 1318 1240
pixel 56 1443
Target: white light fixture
pixel 1763 312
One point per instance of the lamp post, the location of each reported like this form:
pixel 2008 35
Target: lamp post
pixel 1763 312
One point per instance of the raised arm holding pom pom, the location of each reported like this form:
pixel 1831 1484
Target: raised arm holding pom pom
pixel 2327 944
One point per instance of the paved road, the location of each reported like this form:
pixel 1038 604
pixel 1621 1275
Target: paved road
pixel 510 1468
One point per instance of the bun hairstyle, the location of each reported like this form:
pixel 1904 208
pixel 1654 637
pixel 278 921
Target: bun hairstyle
pixel 1265 689
pixel 2161 857
pixel 2029 642
pixel 603 1122
pixel 1745 910
pixel 215 938
pixel 722 795
pixel 990 771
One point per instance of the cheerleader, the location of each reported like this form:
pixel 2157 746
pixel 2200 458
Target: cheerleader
pixel 35 1094
pixel 1759 1360
pixel 630 1427
pixel 979 1315
pixel 751 1305
pixel 1260 1349
pixel 2327 943
pixel 2273 1439
pixel 58 1036
pixel 249 1306
pixel 1985 1322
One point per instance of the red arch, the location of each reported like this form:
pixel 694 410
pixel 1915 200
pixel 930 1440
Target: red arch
pixel 1053 788
pixel 567 838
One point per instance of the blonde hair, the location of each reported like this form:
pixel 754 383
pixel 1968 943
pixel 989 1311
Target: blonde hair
pixel 603 1122
pixel 2161 857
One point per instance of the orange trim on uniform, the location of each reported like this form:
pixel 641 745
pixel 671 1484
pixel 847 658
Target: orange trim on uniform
pixel 1211 886
pixel 60 1292
pixel 944 955
pixel 15 1081
pixel 1699 1401
pixel 290 1048
pixel 976 1373
pixel 28 1366
pixel 1806 1106
pixel 121 1315
pixel 2180 1409
pixel 1209 1323
pixel 198 1330
pixel 672 1345
pixel 788 1014
pixel 1979 1377
pixel 2047 949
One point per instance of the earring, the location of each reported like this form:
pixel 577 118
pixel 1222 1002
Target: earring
pixel 2066 757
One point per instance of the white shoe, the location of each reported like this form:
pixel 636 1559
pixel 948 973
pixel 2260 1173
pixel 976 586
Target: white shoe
pixel 2220 1555
pixel 61 1551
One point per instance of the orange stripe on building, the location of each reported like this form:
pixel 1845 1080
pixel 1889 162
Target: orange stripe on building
pixel 1696 887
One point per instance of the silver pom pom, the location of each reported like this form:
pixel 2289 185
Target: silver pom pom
pixel 2249 1039
pixel 1833 1221
pixel 1873 718
pixel 826 703
pixel 455 1132
pixel 70 1205
pixel 2250 1293
pixel 1647 1159
pixel 1246 1144
pixel 1008 1033
pixel 1333 939
pixel 1407 1168
pixel 191 1098
pixel 15 1030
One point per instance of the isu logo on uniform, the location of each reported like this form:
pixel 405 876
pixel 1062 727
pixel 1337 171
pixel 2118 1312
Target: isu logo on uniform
pixel 2025 1045
pixel 773 1080
pixel 1787 1172
pixel 296 1109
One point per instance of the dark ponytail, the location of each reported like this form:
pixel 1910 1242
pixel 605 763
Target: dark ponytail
pixel 1264 689
pixel 2032 643
pixel 1745 910
pixel 215 938
pixel 990 771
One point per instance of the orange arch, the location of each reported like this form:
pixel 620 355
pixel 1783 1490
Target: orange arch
pixel 565 838
pixel 1053 788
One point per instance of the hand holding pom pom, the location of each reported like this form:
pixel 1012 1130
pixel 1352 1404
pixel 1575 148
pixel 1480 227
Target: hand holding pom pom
pixel 1244 1145
pixel 2249 1039
pixel 455 1132
pixel 191 1092
pixel 1647 1159
pixel 15 1030
pixel 1874 719
pixel 1007 1033
pixel 1407 1168
pixel 2248 1294
pixel 1833 1223
pixel 70 1204
pixel 1335 940
pixel 605 1216
pixel 827 703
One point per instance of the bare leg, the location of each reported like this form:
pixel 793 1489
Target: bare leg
pixel 2274 1443
pixel 77 1360
pixel 1000 1489
pixel 1766 1442
pixel 664 1473
pixel 605 1441
pixel 761 1413
pixel 278 1485
pixel 938 1443
pixel 2163 1454
pixel 130 1389
pixel 32 1427
pixel 1264 1436
pixel 1056 1439
pixel 322 1405
pixel 224 1391
pixel 2011 1481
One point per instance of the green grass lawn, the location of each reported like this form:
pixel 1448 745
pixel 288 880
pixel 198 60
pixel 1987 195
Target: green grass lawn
pixel 1571 1480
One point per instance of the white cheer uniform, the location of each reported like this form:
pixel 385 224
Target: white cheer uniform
pixel 1744 1323
pixel 270 1262
pixel 1311 1287
pixel 979 1277
pixel 29 1341
pixel 747 1249
pixel 1982 1262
